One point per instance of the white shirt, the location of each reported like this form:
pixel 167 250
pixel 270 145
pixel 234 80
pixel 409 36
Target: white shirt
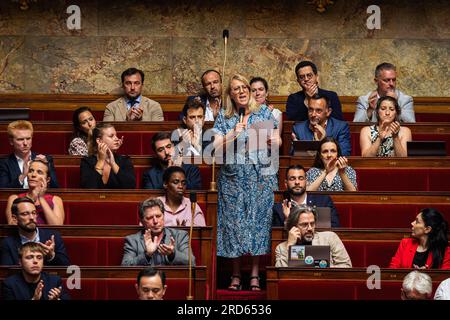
pixel 209 114
pixel 443 291
pixel 20 162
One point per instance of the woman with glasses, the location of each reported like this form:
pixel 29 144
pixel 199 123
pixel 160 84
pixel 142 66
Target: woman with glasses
pixel 246 180
pixel 49 208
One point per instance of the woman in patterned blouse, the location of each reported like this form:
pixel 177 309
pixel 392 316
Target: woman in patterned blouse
pixel 330 171
pixel 83 123
pixel 386 138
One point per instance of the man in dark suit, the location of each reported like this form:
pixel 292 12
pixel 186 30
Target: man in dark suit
pixel 297 103
pixel 24 213
pixel 14 169
pixel 295 184
pixel 320 125
pixel 32 283
pixel 156 244
pixel 211 95
pixel 165 157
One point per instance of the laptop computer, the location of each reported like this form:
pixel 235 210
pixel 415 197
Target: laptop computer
pixel 305 148
pixel 309 256
pixel 11 114
pixel 426 148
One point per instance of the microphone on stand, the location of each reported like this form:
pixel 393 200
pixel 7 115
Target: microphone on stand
pixel 193 198
pixel 225 35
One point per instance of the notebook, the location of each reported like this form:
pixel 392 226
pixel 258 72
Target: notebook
pixel 11 114
pixel 309 256
pixel 426 148
pixel 305 148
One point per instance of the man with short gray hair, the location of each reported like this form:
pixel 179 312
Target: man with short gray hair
pixel 416 286
pixel 156 245
pixel 386 79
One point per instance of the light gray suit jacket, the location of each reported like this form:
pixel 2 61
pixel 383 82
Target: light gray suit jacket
pixel 404 101
pixel 339 256
pixel 117 110
pixel 134 250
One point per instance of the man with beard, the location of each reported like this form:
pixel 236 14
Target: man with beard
pixel 297 103
pixel 14 169
pixel 32 283
pixel 24 215
pixel 295 184
pixel 133 106
pixel 301 225
pixel 211 96
pixel 165 157
pixel 320 125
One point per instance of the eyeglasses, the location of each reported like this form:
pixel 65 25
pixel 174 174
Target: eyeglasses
pixel 308 76
pixel 239 88
pixel 305 225
pixel 28 213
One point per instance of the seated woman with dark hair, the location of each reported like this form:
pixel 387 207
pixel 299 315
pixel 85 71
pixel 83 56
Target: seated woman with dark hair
pixel 49 208
pixel 427 248
pixel 385 138
pixel 83 123
pixel 106 169
pixel 330 171
pixel 177 207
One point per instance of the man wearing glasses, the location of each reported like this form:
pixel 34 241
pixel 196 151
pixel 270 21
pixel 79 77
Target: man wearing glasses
pixel 24 215
pixel 301 225
pixel 308 79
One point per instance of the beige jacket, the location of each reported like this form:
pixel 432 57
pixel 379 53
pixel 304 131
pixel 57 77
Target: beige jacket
pixel 117 110
pixel 339 256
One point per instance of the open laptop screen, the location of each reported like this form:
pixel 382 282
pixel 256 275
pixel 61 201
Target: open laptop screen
pixel 426 148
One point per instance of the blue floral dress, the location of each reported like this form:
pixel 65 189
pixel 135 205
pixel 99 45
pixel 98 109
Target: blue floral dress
pixel 245 192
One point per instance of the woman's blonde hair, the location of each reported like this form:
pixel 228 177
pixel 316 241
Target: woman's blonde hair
pixel 230 105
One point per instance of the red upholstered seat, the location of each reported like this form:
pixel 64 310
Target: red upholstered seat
pixel 86 251
pixel 383 215
pixel 102 213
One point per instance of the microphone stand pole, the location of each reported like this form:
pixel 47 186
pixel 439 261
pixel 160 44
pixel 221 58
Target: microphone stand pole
pixel 193 197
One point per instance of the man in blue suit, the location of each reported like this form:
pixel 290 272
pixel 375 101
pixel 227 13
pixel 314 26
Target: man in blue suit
pixel 320 125
pixel 295 184
pixel 308 79
pixel 14 169
pixel 24 213
pixel 32 283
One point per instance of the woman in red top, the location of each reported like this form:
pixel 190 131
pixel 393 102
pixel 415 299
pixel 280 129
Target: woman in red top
pixel 428 247
pixel 49 208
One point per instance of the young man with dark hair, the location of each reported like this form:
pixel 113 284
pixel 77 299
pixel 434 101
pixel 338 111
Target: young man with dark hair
pixel 133 106
pixel 151 284
pixel 165 157
pixel 24 215
pixel 308 79
pixel 295 184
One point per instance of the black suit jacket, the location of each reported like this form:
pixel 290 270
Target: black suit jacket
pixel 10 172
pixel 296 109
pixel 317 200
pixel 16 288
pixel 153 177
pixel 124 179
pixel 10 249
